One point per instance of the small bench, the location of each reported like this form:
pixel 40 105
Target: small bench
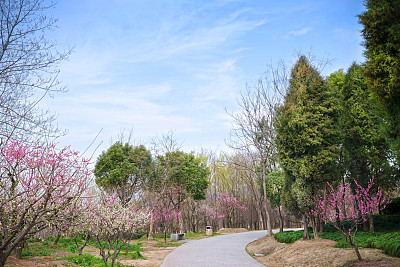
pixel 177 237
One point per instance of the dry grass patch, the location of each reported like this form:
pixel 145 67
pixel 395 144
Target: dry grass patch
pixel 265 245
pixel 315 253
pixel 154 256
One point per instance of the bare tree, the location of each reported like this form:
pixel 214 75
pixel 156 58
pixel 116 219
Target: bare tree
pixel 28 68
pixel 254 132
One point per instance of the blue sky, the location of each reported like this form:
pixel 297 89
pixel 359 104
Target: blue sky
pixel 156 66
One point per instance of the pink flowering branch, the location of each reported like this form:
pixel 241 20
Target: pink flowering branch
pixel 227 207
pixel 112 223
pixel 340 205
pixel 38 183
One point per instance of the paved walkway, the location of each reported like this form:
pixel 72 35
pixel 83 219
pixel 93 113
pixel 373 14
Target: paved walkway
pixel 223 250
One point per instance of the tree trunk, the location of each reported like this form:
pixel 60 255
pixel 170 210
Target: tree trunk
pixel 371 223
pixel 260 219
pixel 266 203
pixel 150 235
pixel 57 239
pixel 365 226
pixel 280 219
pixel 357 252
pixel 320 224
pixel 17 252
pixel 314 226
pixel 305 225
pixel 3 258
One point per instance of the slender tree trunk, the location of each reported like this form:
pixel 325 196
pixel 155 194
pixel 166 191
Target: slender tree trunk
pixel 305 225
pixel 371 223
pixel 280 219
pixel 260 219
pixel 266 202
pixel 357 252
pixel 150 235
pixel 57 239
pixel 320 224
pixel 353 244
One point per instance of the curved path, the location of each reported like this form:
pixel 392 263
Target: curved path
pixel 223 250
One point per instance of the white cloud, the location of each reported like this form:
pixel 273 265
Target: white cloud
pixel 300 32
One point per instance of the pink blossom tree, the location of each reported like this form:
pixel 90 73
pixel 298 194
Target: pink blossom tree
pixel 228 207
pixel 166 219
pixel 112 224
pixel 37 183
pixel 340 207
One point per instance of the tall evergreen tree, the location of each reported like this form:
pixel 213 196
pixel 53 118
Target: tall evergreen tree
pixel 381 32
pixel 366 150
pixel 307 137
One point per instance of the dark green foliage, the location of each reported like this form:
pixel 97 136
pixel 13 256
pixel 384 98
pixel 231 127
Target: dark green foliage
pixel 289 236
pixel 178 169
pixel 328 227
pixel 388 242
pixel 139 234
pixel 366 151
pixel 381 33
pixel 124 167
pixel 308 136
pixel 274 186
pixel 393 208
pixel 387 223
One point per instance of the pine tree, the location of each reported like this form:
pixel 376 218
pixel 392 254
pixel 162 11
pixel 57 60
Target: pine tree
pixel 381 32
pixel 307 137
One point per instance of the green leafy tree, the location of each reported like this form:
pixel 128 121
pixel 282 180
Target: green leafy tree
pixel 381 32
pixel 124 168
pixel 185 172
pixel 178 176
pixel 366 150
pixel 274 186
pixel 307 137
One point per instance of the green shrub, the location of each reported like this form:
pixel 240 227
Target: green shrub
pixel 139 234
pixel 393 208
pixel 290 236
pixel 388 242
pixel 386 223
pixel 84 260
